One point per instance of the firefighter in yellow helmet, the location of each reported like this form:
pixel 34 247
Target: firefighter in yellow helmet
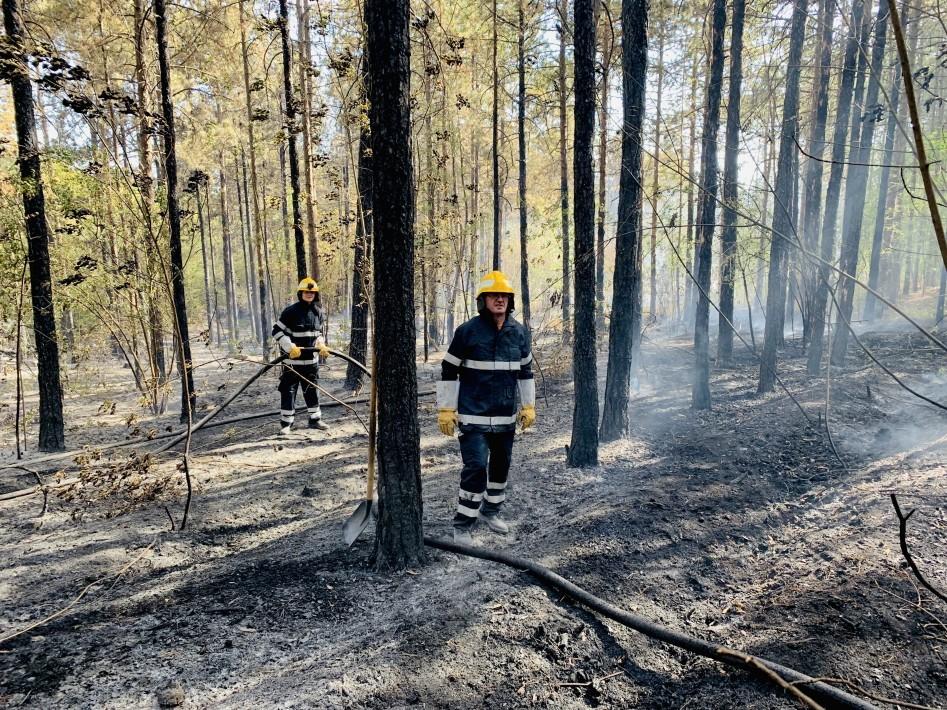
pixel 298 332
pixel 488 363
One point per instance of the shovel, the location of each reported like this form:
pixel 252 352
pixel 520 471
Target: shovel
pixel 358 521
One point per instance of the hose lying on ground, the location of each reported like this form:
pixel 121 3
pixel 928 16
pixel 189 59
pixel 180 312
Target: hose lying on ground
pixel 786 678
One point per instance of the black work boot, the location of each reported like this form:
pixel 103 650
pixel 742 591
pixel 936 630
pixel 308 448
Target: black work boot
pixel 496 523
pixel 318 424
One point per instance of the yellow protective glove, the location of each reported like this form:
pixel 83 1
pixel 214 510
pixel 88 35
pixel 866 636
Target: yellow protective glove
pixel 527 416
pixel 294 352
pixel 323 350
pixel 447 421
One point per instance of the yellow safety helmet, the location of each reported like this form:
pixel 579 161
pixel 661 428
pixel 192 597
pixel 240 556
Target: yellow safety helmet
pixel 308 285
pixel 494 282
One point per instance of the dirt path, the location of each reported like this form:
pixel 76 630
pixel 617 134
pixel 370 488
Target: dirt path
pixel 737 524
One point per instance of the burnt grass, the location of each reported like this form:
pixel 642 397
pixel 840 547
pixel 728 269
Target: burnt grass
pixel 739 525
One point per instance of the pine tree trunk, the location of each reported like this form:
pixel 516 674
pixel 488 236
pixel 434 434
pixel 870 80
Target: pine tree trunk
pixel 146 187
pixel 399 537
pixel 691 250
pixel 814 167
pixel 305 60
pixel 730 187
pixel 229 286
pixel 218 339
pixel 258 236
pixel 856 189
pixel 521 135
pixel 51 436
pixel 188 396
pixel 289 108
pixel 607 52
pixel 495 151
pixel 564 180
pixel 358 343
pixel 783 219
pixel 583 451
pixel 245 247
pixel 656 163
pixel 707 208
pixel 627 277
pixel 205 260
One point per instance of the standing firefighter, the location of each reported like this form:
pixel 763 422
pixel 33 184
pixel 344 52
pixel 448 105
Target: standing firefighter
pixel 487 363
pixel 298 331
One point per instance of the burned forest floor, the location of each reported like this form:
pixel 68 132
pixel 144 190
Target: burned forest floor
pixel 738 525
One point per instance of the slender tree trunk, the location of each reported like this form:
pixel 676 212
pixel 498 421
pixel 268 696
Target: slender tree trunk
pixel 814 167
pixel 213 264
pixel 856 189
pixel 305 60
pixel 627 277
pixel 205 260
pixel 496 147
pixel 188 396
pixel 707 209
pixel 51 436
pixel 783 219
pixel 358 344
pixel 656 162
pixel 521 134
pixel 289 108
pixel 399 539
pixel 242 209
pixel 730 187
pixel 691 153
pixel 583 451
pixel 564 180
pixel 607 52
pixel 258 242
pixel 146 188
pixel 229 286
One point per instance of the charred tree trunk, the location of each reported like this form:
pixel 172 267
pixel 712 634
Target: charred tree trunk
pixel 146 188
pixel 289 108
pixel 229 286
pixel 700 393
pixel 583 451
pixel 607 52
pixel 856 188
pixel 496 147
pixel 399 539
pixel 834 189
pixel 258 237
pixel 188 396
pixel 627 277
pixel 213 264
pixel 814 168
pixel 783 218
pixel 244 246
pixel 305 60
pixel 656 162
pixel 205 259
pixel 564 181
pixel 358 344
pixel 521 135
pixel 691 153
pixel 730 187
pixel 51 436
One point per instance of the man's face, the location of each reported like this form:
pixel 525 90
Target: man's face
pixel 309 296
pixel 497 303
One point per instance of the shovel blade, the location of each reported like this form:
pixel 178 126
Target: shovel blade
pixel 357 522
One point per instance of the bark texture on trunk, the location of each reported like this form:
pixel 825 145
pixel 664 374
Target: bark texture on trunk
pixel 399 539
pixel 51 435
pixel 583 451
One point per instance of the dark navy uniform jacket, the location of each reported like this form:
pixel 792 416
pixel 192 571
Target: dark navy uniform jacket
pixel 300 324
pixel 484 370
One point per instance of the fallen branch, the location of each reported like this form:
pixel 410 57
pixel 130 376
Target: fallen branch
pixel 822 691
pixel 903 537
pixel 65 609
